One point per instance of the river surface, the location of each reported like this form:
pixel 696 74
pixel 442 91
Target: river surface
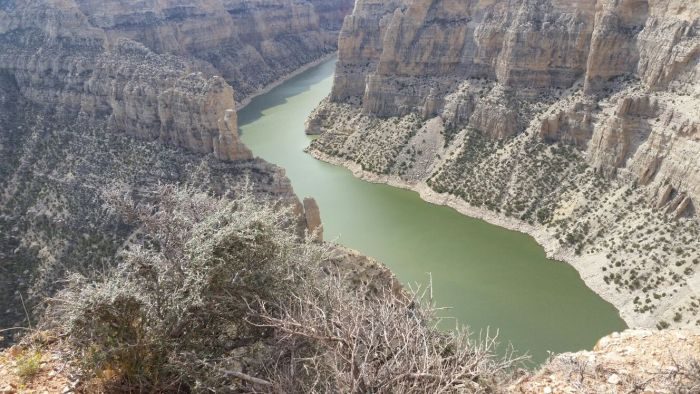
pixel 489 276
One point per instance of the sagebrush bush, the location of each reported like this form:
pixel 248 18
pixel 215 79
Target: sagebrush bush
pixel 360 340
pixel 215 294
pixel 179 296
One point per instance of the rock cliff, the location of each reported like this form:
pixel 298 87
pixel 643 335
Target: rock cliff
pixel 102 94
pixel 250 43
pixel 73 70
pixel 640 361
pixel 575 121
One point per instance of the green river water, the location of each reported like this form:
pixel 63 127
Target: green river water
pixel 490 276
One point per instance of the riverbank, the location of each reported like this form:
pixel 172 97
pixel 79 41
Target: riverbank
pixel 588 272
pixel 487 275
pixel 267 88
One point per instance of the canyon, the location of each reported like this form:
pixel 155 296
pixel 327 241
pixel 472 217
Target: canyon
pixel 489 277
pixel 574 121
pixel 105 95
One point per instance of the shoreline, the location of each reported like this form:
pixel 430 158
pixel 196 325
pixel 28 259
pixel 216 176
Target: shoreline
pixel 267 88
pixel 539 234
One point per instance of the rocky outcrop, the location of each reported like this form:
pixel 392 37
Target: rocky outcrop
pixel 631 361
pixel 312 215
pixel 575 121
pixel 360 46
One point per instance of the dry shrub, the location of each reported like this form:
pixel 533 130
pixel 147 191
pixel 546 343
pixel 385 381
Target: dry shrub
pixel 357 340
pixel 177 299
pixel 29 365
pixel 214 294
pixel 685 378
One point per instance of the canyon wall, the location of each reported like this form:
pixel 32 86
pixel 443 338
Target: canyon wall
pixel 250 43
pixel 104 95
pixel 73 70
pixel 575 121
pixel 410 57
pixel 166 70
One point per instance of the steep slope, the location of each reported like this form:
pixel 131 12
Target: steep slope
pixel 633 361
pixel 250 43
pixel 575 121
pixel 85 109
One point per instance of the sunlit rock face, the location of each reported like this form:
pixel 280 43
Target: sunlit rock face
pixel 577 120
pixel 166 70
pixel 411 56
pixel 250 43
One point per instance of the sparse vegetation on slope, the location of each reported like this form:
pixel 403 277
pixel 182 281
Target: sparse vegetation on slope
pixel 631 252
pixel 223 294
pixel 576 122
pixel 51 211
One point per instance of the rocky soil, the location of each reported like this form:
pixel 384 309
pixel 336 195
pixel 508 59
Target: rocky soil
pixel 634 361
pixel 576 122
pixel 39 367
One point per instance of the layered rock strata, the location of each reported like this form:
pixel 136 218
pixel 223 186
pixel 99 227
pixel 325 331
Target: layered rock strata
pixel 250 43
pixel 73 70
pixel 95 95
pixel 575 121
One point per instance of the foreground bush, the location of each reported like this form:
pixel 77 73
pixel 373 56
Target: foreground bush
pixel 226 295
pixel 359 341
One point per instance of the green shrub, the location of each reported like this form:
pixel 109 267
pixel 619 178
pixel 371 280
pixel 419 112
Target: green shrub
pixel 29 365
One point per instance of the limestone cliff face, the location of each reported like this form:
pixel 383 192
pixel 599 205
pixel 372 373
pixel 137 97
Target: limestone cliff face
pixel 250 43
pixel 360 45
pixel 518 43
pixel 576 121
pixel 413 55
pixel 407 57
pixel 151 67
pixel 76 73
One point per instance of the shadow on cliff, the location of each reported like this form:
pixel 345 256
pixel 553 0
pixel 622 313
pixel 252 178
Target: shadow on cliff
pixel 280 94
